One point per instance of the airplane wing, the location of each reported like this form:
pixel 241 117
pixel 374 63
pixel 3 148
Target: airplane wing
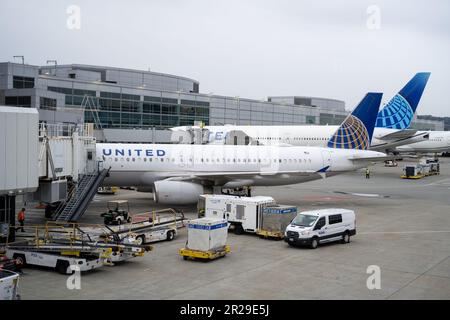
pixel 399 138
pixel 243 176
pixel 401 134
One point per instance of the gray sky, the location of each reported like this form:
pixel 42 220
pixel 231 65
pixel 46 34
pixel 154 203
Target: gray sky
pixel 251 49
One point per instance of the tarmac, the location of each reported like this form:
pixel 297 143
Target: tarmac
pixel 403 228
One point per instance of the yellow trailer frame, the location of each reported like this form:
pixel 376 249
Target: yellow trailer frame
pixel 205 255
pixel 419 176
pixel 270 234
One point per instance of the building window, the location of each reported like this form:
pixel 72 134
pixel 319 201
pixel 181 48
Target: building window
pixel 310 119
pixel 22 82
pixel 47 103
pixel 18 101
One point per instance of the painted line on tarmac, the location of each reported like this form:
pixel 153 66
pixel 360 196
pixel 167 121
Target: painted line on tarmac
pixel 404 232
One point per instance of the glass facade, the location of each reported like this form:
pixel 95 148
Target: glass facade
pixel 126 111
pixel 331 119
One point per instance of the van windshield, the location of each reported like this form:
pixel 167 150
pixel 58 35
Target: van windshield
pixel 304 220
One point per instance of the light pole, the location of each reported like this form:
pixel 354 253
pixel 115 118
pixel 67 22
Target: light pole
pixel 239 109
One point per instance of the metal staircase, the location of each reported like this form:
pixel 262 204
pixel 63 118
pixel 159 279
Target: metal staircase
pixel 80 197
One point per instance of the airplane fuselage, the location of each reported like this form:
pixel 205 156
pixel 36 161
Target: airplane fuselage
pixel 143 164
pixel 300 135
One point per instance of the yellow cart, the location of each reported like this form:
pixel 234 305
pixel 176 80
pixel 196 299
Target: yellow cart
pixel 277 235
pixel 204 255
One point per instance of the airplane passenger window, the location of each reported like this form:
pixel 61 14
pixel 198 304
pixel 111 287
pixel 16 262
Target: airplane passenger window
pixel 133 159
pixel 115 159
pixel 145 159
pixel 128 159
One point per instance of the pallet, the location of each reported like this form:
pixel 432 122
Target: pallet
pixel 204 255
pixel 277 235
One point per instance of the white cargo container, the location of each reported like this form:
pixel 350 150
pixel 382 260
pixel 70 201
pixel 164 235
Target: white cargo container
pixel 18 150
pixel 243 213
pixel 9 282
pixel 207 234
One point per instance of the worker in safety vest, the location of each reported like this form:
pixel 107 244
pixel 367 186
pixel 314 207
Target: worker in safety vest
pixel 21 219
pixel 367 173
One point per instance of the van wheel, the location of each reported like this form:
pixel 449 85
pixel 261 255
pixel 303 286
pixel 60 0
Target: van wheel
pixel 314 243
pixel 238 229
pixel 346 237
pixel 170 235
pixel 21 261
pixel 61 266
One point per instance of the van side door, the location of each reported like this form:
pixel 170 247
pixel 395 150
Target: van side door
pixel 335 227
pixel 321 228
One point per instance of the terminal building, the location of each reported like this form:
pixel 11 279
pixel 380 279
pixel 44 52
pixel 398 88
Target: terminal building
pixel 138 106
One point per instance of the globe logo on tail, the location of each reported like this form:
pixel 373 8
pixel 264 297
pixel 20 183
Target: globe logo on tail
pixel 397 114
pixel 351 135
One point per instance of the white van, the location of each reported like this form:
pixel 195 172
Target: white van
pixel 319 226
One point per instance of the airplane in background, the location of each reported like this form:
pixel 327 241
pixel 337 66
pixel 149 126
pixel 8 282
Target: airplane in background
pixel 390 131
pixel 398 114
pixel 179 173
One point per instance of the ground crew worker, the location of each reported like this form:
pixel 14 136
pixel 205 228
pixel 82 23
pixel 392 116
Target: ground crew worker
pixel 21 219
pixel 367 173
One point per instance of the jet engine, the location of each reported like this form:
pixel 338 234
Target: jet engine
pixel 177 192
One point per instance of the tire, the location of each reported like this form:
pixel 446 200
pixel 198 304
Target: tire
pixel 238 229
pixel 61 266
pixel 346 237
pixel 314 243
pixel 291 244
pixel 21 261
pixel 140 240
pixel 170 235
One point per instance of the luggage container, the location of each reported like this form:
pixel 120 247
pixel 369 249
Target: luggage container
pixel 275 219
pixel 207 239
pixel 242 213
pixel 9 282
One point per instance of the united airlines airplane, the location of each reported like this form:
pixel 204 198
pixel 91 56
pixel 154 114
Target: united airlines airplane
pixel 178 174
pixel 391 125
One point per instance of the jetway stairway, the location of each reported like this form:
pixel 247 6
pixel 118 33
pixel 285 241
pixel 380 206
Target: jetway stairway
pixel 79 198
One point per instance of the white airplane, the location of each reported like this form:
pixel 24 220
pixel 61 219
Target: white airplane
pixel 438 142
pixel 178 174
pixel 389 133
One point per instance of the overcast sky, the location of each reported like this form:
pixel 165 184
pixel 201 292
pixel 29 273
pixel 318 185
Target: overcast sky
pixel 250 49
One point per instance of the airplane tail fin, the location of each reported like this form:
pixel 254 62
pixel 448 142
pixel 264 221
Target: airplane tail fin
pixel 357 129
pixel 399 111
